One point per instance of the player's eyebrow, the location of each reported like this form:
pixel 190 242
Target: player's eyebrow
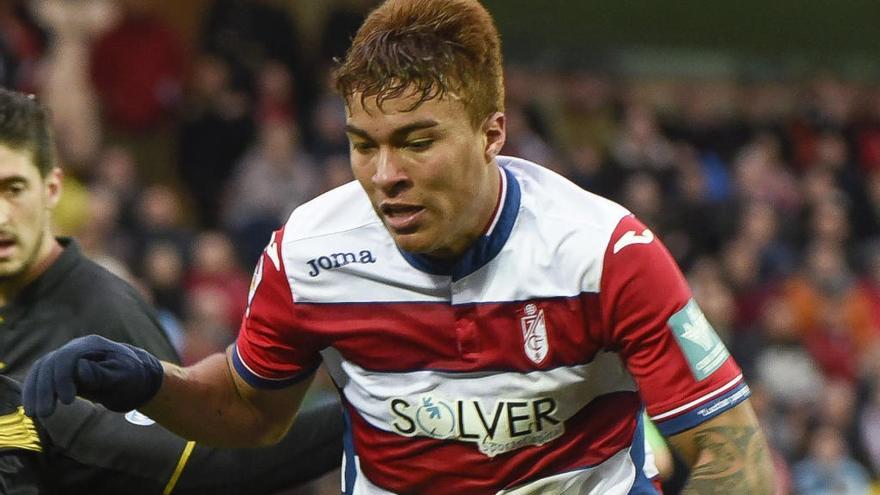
pixel 398 133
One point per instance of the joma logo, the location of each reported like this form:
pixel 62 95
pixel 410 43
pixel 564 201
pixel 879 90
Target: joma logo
pixel 336 260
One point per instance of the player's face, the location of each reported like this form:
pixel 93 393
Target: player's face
pixel 430 175
pixel 26 202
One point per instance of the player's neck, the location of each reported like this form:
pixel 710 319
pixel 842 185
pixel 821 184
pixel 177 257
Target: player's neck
pixel 47 253
pixel 487 204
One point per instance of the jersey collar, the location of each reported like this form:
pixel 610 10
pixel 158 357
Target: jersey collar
pixel 484 249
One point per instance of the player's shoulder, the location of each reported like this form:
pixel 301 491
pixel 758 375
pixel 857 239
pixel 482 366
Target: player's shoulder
pixel 96 285
pixel 339 210
pixel 559 203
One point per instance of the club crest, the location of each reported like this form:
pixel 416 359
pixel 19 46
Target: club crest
pixel 534 331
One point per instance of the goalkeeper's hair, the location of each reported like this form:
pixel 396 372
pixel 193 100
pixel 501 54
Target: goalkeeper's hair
pixel 25 126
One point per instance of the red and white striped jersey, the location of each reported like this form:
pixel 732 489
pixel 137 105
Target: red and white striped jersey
pixel 520 368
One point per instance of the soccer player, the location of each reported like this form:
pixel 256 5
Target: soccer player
pixel 493 328
pixel 50 293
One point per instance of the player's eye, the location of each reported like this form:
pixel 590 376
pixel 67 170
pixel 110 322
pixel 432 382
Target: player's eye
pixel 419 144
pixel 14 190
pixel 362 146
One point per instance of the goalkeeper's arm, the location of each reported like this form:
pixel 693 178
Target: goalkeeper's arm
pixel 84 446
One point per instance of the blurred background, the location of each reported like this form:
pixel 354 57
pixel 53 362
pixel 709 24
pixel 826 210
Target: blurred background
pixel 745 134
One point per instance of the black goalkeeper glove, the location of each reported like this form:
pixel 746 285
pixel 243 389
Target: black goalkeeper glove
pixel 122 377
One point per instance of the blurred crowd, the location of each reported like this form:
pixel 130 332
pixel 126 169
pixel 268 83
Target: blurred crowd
pixel 180 159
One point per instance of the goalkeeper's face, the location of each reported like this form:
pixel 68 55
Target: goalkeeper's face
pixel 26 203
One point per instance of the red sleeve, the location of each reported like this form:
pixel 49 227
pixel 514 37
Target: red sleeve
pixel 271 350
pixel 684 373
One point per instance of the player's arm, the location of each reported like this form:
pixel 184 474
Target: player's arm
pixel 205 402
pixel 693 389
pixel 210 403
pixel 84 447
pixel 727 454
pixel 249 396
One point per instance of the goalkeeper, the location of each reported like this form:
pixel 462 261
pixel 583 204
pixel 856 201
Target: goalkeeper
pixel 51 293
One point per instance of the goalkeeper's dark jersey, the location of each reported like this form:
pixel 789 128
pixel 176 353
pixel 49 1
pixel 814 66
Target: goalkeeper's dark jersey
pixel 84 448
pixel 75 297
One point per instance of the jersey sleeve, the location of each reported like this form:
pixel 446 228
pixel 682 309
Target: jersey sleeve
pixel 684 372
pixel 271 351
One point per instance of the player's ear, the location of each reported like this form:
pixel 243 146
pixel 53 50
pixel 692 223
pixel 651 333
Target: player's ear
pixel 52 185
pixel 495 132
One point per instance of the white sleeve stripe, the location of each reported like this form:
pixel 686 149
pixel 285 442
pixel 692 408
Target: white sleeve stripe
pixel 727 386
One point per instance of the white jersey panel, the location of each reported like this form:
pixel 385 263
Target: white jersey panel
pixel 337 250
pixel 558 225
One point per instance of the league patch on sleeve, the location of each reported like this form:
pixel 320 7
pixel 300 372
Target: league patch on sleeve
pixel 701 346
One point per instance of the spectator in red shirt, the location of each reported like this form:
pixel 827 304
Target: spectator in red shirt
pixel 137 68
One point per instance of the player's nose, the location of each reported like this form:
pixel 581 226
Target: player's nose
pixel 389 175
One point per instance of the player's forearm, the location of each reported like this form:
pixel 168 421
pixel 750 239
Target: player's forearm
pixel 200 403
pixel 727 454
pixel 731 460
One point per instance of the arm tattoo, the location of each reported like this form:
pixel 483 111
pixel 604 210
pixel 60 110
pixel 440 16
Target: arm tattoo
pixel 734 460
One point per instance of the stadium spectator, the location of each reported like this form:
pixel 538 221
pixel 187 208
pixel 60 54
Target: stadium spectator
pixel 252 35
pixel 329 127
pixel 640 146
pixel 272 179
pixel 336 172
pixel 867 132
pixel 206 326
pixel 828 468
pixel 137 67
pixel 23 43
pixel 588 169
pixel 828 106
pixel 783 366
pixel 701 217
pixel 585 110
pixel 65 83
pixel 100 233
pixel 404 284
pixel 868 422
pixel 275 99
pixel 160 218
pixel 163 272
pixel 837 409
pixel 827 309
pixel 216 129
pixel 215 266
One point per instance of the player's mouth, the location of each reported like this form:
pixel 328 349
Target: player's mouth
pixel 7 246
pixel 402 218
